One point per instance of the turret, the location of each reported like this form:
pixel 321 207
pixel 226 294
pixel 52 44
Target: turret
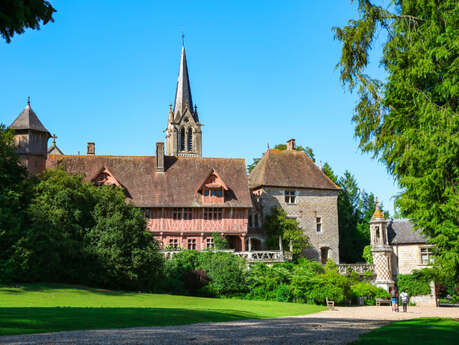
pixel 381 250
pixel 31 139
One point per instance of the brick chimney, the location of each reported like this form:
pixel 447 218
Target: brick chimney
pixel 159 156
pixel 91 148
pixel 291 145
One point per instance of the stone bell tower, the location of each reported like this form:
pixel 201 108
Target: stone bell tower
pixel 381 250
pixel 183 132
pixel 31 140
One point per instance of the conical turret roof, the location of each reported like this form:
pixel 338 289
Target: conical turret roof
pixel 28 120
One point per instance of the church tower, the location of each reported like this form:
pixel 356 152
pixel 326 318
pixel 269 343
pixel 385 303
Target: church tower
pixel 31 140
pixel 183 133
pixel 381 250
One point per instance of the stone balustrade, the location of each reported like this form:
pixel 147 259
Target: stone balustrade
pixel 266 256
pixel 359 268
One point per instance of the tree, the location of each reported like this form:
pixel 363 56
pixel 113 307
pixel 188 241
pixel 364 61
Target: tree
pixel 18 15
pixel 307 150
pixel 278 225
pixel 13 201
pixel 355 210
pixel 75 232
pixel 409 120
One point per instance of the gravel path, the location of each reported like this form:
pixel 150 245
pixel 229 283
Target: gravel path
pixel 329 327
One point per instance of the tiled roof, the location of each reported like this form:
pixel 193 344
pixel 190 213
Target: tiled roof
pixel 176 187
pixel 288 168
pixel 27 119
pixel 401 232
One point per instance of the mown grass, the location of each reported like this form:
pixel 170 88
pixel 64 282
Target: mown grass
pixel 422 331
pixel 37 308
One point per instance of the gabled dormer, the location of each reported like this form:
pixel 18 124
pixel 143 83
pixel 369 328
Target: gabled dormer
pixel 213 189
pixel 106 178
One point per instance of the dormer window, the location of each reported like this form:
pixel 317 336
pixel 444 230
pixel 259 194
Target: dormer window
pixel 213 189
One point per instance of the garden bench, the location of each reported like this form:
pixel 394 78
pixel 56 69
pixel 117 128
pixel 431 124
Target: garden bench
pixel 380 301
pixel 330 304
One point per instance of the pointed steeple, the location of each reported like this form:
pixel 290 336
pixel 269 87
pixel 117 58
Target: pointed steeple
pixel 183 91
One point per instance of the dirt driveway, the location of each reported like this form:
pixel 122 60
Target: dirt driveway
pixel 329 327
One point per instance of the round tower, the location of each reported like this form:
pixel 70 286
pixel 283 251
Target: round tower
pixel 381 250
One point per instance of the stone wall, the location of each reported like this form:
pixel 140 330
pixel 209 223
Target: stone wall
pixel 407 257
pixel 309 204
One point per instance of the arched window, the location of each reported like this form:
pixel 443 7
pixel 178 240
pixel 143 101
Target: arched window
pixel 190 139
pixel 182 139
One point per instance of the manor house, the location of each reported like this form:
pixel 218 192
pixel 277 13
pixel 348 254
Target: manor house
pixel 186 197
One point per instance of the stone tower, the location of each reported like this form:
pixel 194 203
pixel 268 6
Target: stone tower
pixel 31 140
pixel 183 133
pixel 381 250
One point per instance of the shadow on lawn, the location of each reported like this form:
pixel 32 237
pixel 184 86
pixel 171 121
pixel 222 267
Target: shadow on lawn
pixel 39 320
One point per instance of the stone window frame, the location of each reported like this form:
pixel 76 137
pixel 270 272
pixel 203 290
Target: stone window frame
pixel 253 220
pixel 426 251
pixel 319 224
pixel 290 196
pixel 209 243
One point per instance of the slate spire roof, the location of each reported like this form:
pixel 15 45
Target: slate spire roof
pixel 183 92
pixel 28 120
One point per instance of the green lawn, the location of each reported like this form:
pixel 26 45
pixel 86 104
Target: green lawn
pixel 36 308
pixel 422 331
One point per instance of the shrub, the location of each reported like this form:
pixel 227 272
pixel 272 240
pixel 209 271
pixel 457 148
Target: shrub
pixel 226 271
pixel 414 284
pixel 220 242
pixel 283 293
pixel 368 292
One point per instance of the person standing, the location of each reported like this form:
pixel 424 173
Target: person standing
pixel 404 298
pixel 394 299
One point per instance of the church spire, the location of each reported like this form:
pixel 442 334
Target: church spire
pixel 183 92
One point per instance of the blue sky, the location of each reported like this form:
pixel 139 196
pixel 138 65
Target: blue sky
pixel 261 72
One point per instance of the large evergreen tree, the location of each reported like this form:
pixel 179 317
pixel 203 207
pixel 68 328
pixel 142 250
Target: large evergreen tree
pixel 410 120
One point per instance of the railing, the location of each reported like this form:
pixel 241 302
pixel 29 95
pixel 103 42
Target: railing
pixel 359 268
pixel 266 256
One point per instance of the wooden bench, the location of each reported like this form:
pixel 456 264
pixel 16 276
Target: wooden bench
pixel 380 301
pixel 330 304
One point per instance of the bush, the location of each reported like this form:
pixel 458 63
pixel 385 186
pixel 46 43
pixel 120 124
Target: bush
pixel 368 292
pixel 283 293
pixel 220 242
pixel 205 273
pixel 226 271
pixel 414 284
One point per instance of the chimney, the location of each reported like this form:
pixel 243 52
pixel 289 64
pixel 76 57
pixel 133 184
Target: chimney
pixel 91 148
pixel 159 156
pixel 291 145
